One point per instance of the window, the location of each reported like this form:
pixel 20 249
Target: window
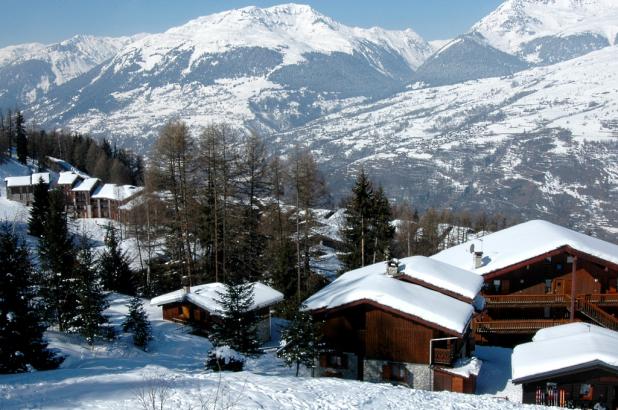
pixel 336 361
pixel 395 372
pixel 547 285
pixel 497 285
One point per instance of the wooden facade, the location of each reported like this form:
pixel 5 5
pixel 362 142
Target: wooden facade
pixel 365 332
pixel 202 320
pixel 581 388
pixel 554 288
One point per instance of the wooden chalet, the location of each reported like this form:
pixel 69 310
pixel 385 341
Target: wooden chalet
pixel 573 365
pixel 21 188
pixel 81 197
pixel 406 323
pixel 199 305
pixel 539 275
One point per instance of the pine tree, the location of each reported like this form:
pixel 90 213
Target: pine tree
pixel 21 325
pixel 40 209
pixel 356 230
pixel 383 232
pixel 238 325
pixel 114 265
pixel 21 141
pixel 301 341
pixel 91 302
pixel 137 323
pixel 57 261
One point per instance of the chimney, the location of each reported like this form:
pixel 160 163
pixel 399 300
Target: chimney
pixel 478 259
pixel 184 281
pixel 392 267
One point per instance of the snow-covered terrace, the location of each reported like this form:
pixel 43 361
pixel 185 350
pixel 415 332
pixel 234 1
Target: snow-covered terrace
pixel 522 242
pixel 116 192
pixel 371 283
pixel 86 185
pixel 27 180
pixel 565 349
pixel 207 297
pixel 67 178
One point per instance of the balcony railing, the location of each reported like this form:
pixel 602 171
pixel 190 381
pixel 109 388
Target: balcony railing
pixel 516 326
pixel 526 300
pixel 603 299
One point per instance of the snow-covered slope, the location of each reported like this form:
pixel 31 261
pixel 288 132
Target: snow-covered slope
pixel 28 71
pixel 114 375
pixel 540 143
pixel 547 31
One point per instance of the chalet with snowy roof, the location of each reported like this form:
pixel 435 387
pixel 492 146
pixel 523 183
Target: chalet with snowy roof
pixel 407 322
pixel 21 188
pixel 108 199
pixel 81 197
pixel 199 305
pixel 537 275
pixel 573 365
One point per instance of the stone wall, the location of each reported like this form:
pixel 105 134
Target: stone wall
pixel 419 375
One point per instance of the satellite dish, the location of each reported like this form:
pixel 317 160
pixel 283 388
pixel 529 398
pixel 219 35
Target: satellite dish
pixel 472 248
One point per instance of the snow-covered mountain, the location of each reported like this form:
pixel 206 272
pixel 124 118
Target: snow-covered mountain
pixel 548 31
pixel 523 33
pixel 293 58
pixel 28 71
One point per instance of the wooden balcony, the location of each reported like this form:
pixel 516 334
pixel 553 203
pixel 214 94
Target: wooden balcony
pixel 444 356
pixel 601 299
pixel 526 300
pixel 515 326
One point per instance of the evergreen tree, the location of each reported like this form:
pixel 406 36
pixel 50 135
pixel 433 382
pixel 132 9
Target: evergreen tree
pixel 21 141
pixel 301 341
pixel 356 230
pixel 57 261
pixel 21 326
pixel 91 302
pixel 114 265
pixel 137 323
pixel 40 209
pixel 367 232
pixel 383 232
pixel 238 325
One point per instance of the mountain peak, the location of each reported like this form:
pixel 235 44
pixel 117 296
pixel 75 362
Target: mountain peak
pixel 516 22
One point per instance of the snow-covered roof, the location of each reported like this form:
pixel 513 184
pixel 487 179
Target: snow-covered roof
pixel 67 178
pixel 116 192
pixel 86 185
pixel 522 242
pixel 371 283
pixel 206 296
pixel 442 275
pixel 564 348
pixel 27 180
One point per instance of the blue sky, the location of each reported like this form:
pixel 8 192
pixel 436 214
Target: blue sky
pixel 49 21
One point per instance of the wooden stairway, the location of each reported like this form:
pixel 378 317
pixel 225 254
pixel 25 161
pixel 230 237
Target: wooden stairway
pixel 596 314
